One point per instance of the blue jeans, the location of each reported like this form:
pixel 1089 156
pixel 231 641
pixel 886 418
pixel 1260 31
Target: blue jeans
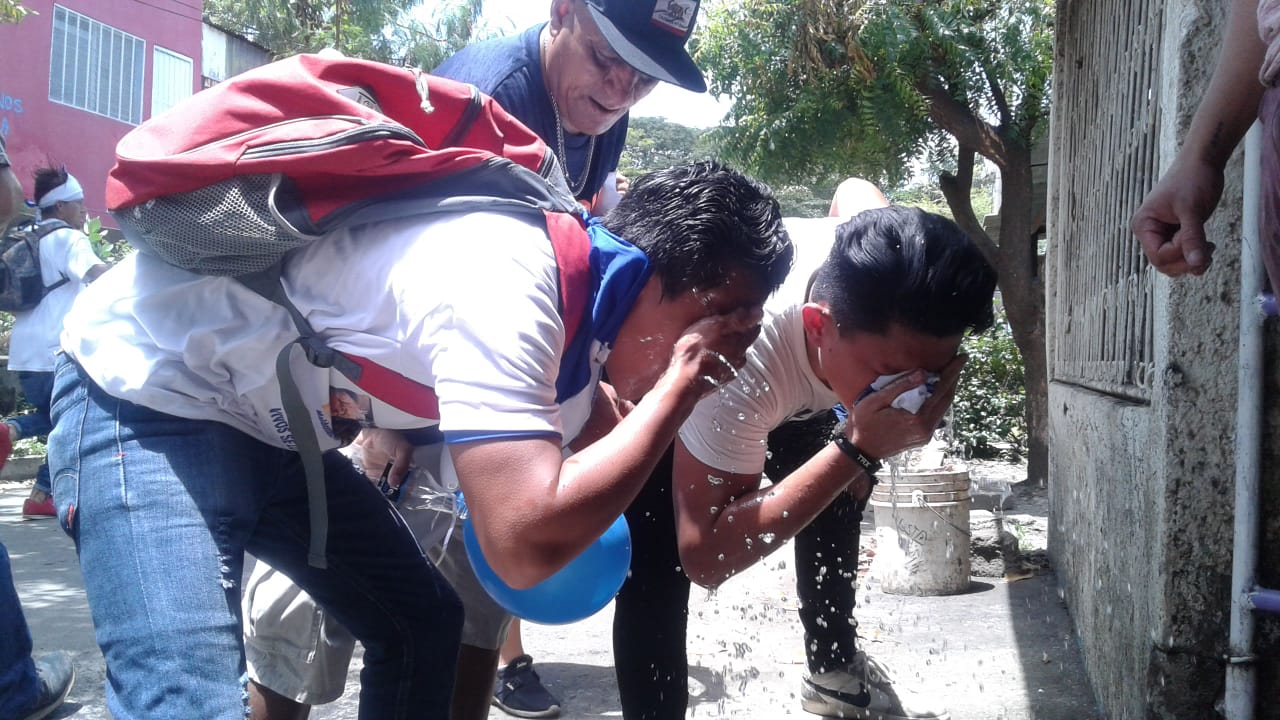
pixel 162 510
pixel 37 388
pixel 19 685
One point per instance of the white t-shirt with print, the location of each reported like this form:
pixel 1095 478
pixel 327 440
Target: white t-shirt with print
pixel 729 429
pixel 34 340
pixel 465 304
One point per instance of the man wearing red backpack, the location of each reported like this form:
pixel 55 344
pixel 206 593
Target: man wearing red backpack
pixel 573 80
pixel 172 455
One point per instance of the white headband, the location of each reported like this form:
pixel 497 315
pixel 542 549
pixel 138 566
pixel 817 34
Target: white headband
pixel 66 192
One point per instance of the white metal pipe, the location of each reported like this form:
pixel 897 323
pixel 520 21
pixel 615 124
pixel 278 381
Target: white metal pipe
pixel 1239 699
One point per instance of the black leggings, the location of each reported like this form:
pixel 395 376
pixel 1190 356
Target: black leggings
pixel 651 613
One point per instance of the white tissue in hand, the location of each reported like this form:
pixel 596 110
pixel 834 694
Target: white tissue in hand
pixel 912 399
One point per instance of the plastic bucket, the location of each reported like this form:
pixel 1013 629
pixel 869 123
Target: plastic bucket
pixel 922 533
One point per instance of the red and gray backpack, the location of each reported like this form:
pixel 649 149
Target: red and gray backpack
pixel 234 178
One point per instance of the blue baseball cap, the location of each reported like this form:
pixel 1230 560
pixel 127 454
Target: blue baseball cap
pixel 650 35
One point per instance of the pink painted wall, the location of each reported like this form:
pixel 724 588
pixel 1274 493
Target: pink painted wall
pixel 38 130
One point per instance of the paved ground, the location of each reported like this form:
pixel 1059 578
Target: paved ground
pixel 1004 650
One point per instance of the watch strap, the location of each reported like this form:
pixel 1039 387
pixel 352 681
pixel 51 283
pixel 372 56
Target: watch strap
pixel 869 464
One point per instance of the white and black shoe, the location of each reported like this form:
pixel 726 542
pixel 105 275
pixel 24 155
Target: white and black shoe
pixel 863 689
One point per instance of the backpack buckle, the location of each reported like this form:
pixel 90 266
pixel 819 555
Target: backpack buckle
pixel 317 352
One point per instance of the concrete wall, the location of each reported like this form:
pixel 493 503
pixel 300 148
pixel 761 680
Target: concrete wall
pixel 1142 490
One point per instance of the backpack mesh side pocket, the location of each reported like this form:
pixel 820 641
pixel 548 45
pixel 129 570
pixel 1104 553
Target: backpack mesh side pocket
pixel 221 229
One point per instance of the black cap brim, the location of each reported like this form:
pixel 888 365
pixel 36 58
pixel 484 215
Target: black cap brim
pixel 667 60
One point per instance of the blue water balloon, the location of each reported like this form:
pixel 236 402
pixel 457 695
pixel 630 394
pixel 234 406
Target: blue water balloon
pixel 579 590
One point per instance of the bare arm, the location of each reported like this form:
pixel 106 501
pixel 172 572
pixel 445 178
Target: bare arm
pixel 1170 222
pixel 533 511
pixel 725 522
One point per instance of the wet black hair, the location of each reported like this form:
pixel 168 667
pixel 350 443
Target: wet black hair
pixel 48 178
pixel 701 221
pixel 904 266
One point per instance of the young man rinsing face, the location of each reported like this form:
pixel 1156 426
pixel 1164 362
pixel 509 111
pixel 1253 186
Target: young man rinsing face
pixel 891 291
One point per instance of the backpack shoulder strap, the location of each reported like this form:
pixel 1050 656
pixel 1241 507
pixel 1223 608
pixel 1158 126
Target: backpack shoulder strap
pixel 48 227
pixel 572 248
pixel 52 225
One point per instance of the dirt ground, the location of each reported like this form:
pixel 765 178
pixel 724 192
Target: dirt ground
pixel 1004 649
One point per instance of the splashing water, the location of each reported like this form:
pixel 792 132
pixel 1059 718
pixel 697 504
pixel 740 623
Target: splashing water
pixel 733 372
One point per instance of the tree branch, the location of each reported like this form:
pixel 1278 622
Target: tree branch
pixel 997 93
pixel 1029 113
pixel 957 189
pixel 959 121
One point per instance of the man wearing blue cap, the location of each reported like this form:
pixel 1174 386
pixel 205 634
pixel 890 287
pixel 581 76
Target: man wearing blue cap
pixel 573 79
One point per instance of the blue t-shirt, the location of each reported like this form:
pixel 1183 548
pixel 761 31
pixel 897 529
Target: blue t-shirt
pixel 509 69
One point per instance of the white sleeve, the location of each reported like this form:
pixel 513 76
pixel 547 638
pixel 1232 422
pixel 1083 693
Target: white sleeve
pixel 729 429
pixel 493 338
pixel 70 255
pixel 609 197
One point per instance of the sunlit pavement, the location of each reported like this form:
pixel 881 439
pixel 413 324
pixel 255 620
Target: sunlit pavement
pixel 1003 650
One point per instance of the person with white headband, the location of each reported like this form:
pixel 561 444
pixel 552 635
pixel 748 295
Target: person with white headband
pixel 67 264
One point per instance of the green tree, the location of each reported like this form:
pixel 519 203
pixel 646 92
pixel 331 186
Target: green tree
pixel 829 88
pixel 384 30
pixel 654 143
pixel 989 413
pixel 807 201
pixel 12 11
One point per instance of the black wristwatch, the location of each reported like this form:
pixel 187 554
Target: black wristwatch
pixel 869 464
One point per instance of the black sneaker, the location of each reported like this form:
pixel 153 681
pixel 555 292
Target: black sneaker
pixel 56 677
pixel 519 692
